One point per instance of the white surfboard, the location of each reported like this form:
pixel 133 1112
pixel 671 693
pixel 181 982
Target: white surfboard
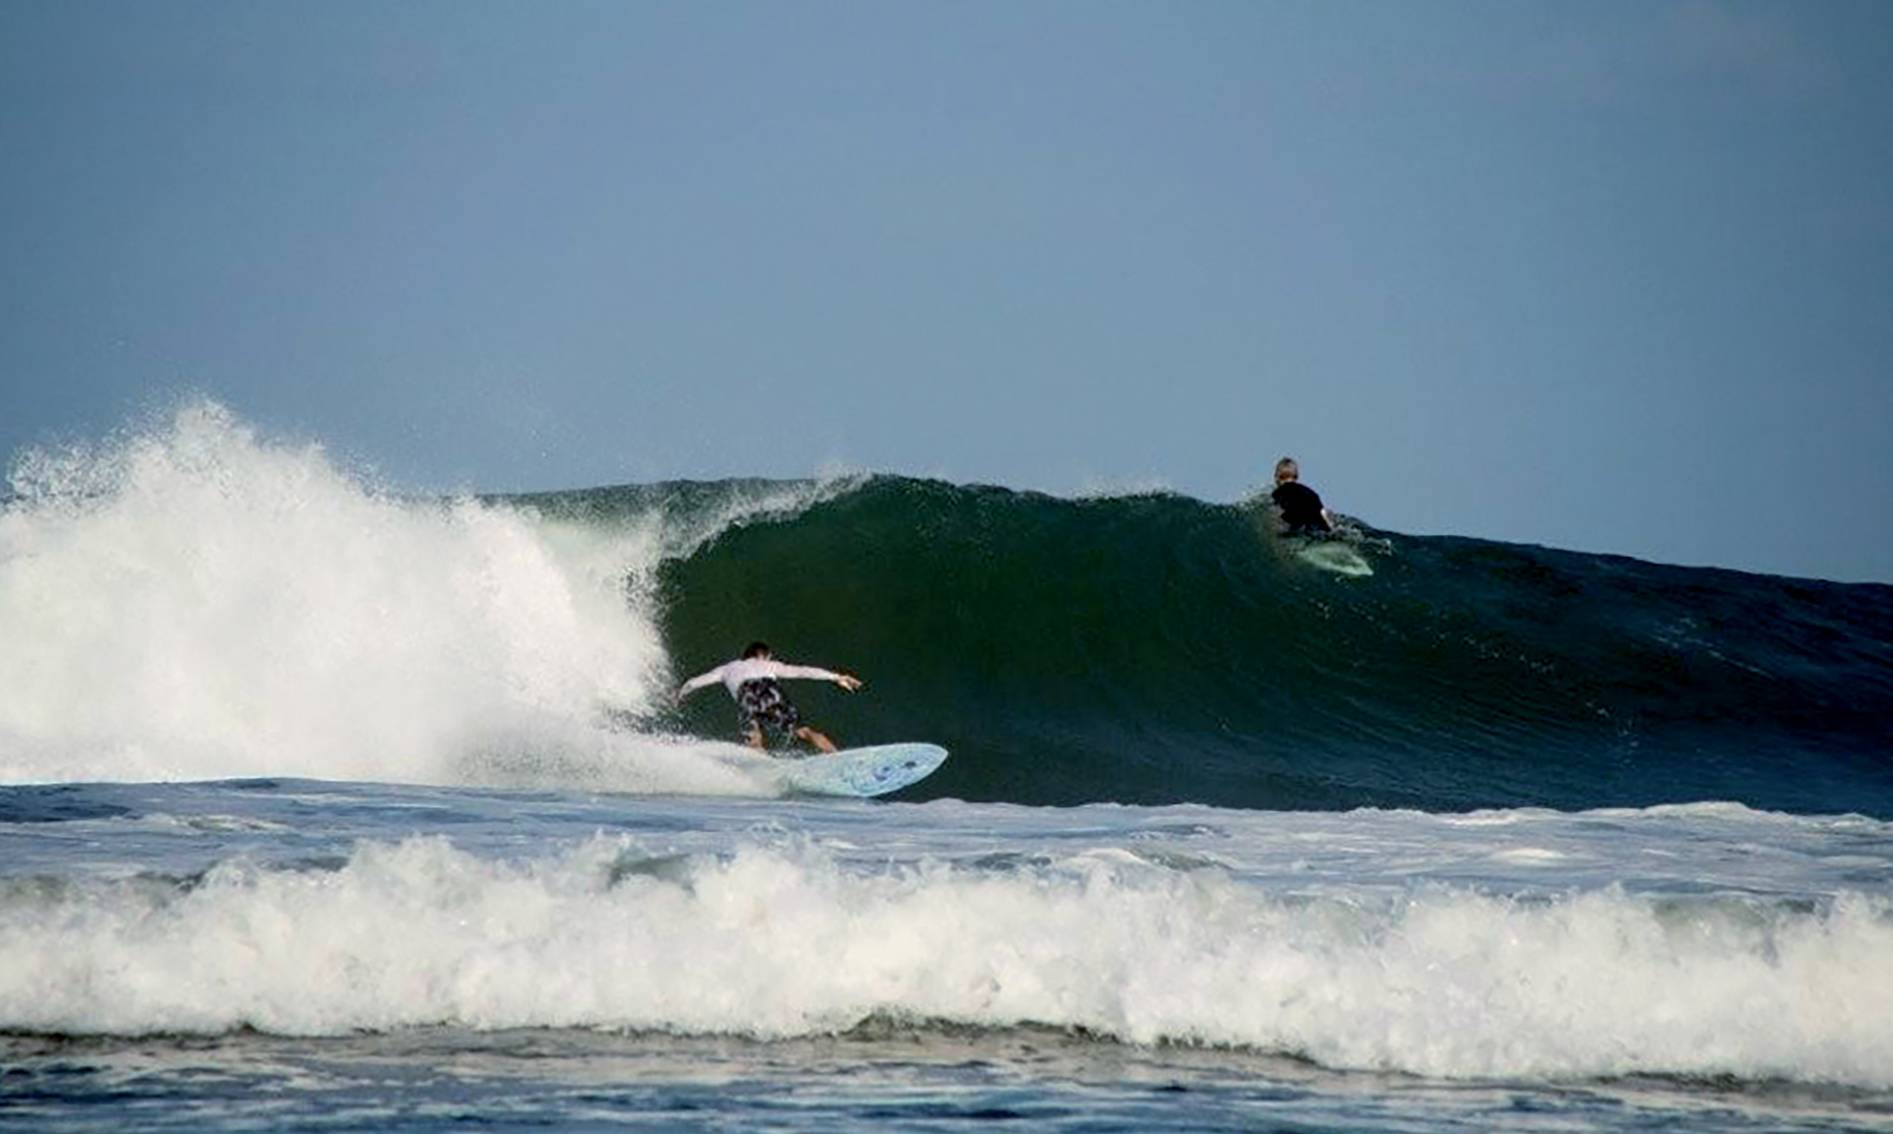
pixel 1332 555
pixel 862 772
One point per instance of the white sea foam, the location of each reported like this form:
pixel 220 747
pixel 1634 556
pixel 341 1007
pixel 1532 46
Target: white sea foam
pixel 198 602
pixel 777 939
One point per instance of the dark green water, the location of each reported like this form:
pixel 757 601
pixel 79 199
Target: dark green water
pixel 1156 649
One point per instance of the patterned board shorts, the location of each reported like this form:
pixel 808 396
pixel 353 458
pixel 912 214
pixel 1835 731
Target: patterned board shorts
pixel 761 703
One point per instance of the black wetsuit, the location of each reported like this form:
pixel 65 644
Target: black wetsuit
pixel 1301 508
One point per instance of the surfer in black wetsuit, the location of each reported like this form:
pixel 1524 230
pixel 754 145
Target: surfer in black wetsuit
pixel 1301 506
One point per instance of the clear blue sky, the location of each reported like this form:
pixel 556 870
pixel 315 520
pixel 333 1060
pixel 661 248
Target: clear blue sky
pixel 1616 277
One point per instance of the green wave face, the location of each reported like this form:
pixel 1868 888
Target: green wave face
pixel 1156 649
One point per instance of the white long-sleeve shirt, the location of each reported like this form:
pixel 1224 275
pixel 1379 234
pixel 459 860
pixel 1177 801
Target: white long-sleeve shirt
pixel 733 674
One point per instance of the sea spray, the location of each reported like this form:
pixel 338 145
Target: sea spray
pixel 195 601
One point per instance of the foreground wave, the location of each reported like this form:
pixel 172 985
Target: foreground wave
pixel 1187 927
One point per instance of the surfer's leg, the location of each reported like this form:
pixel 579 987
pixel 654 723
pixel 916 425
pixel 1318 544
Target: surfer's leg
pixel 817 739
pixel 761 704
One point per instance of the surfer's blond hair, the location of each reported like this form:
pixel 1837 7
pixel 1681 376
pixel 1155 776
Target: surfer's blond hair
pixel 1287 469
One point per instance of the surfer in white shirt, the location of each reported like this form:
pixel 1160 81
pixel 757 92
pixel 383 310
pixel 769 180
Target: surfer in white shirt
pixel 754 682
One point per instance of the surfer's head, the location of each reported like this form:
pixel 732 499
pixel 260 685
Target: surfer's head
pixel 1286 470
pixel 756 650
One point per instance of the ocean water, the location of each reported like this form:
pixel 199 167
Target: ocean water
pixel 326 807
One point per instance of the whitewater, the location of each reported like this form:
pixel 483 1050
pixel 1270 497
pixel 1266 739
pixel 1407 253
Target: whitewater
pixel 327 805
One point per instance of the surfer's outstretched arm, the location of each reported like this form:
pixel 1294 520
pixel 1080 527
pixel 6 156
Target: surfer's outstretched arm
pixel 699 681
pixel 847 681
